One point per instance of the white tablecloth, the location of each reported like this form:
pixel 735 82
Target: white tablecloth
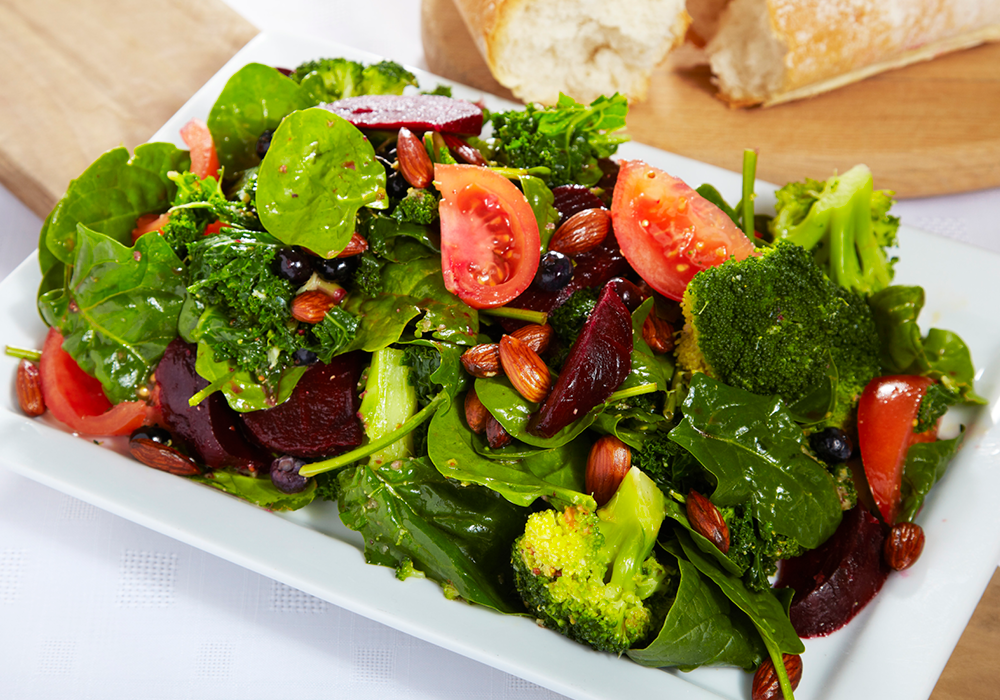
pixel 94 606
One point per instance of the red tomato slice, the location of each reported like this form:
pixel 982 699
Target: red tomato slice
pixel 489 235
pixel 204 161
pixel 667 231
pixel 148 223
pixel 887 413
pixel 77 399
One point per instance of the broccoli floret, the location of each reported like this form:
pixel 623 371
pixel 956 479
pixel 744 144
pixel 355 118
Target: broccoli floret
pixel 845 222
pixel 327 486
pixel 568 319
pixel 367 278
pixel 418 207
pixel 844 482
pixel 755 548
pixel 669 465
pixel 937 400
pixel 591 575
pixel 776 325
pixel 329 79
pixel 568 138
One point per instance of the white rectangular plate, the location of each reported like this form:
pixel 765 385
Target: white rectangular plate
pixel 896 648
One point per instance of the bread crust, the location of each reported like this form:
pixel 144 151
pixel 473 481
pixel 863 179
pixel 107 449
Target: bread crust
pixel 826 44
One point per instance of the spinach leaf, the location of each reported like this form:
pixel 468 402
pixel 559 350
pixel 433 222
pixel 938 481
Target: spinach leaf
pixel 541 201
pixel 242 389
pixel 259 491
pixel 110 195
pixel 318 172
pixel 702 628
pixel 458 535
pixel 925 464
pixel 255 99
pixel 120 309
pixel 557 475
pixel 756 452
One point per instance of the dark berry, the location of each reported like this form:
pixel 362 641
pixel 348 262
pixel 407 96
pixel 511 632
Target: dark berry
pixel 832 445
pixel 555 270
pixel 395 185
pixel 339 270
pixel 293 265
pixel 154 433
pixel 285 474
pixel 303 357
pixel 264 143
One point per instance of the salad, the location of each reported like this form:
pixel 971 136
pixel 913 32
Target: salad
pixel 559 385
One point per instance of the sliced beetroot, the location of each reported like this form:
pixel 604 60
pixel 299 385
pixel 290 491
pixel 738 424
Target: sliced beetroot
pixel 572 199
pixel 320 418
pixel 415 112
pixel 597 364
pixel 210 429
pixel 835 581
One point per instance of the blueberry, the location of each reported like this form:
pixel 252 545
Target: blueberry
pixel 395 184
pixel 555 270
pixel 339 270
pixel 832 445
pixel 264 143
pixel 303 357
pixel 154 433
pixel 293 265
pixel 285 474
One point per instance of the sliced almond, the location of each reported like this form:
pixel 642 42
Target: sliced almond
pixel 766 685
pixel 482 361
pixel 29 389
pixel 163 457
pixel 496 435
pixel 707 521
pixel 414 164
pixel 356 246
pixel 657 333
pixel 525 369
pixel 581 232
pixel 535 336
pixel 476 414
pixel 311 307
pixel 608 462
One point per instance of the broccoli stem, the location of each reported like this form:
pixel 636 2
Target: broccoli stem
pixel 379 443
pixel 632 391
pixel 749 176
pixel 539 317
pixel 23 353
pixel 876 274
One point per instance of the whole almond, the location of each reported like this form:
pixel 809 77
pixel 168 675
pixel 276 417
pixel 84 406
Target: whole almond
pixel 163 457
pixel 707 521
pixel 535 336
pixel 496 435
pixel 608 462
pixel 414 164
pixel 903 545
pixel 765 681
pixel 356 246
pixel 29 389
pixel 476 414
pixel 581 232
pixel 658 334
pixel 311 307
pixel 482 361
pixel 525 369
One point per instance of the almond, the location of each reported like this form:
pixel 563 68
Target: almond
pixel 535 336
pixel 311 307
pixel 608 462
pixel 903 546
pixel 707 521
pixel 356 246
pixel 476 414
pixel 414 164
pixel 496 436
pixel 525 369
pixel 163 457
pixel 581 232
pixel 29 389
pixel 765 681
pixel 658 334
pixel 482 361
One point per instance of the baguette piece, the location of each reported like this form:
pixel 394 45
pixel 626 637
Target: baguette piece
pixel 589 48
pixel 771 51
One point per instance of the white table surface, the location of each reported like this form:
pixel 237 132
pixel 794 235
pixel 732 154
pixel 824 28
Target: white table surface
pixel 94 606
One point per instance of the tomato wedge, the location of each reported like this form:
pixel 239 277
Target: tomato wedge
pixel 77 399
pixel 204 160
pixel 887 413
pixel 489 236
pixel 148 223
pixel 667 231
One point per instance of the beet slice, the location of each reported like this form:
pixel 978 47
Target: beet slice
pixel 833 582
pixel 572 199
pixel 597 364
pixel 320 418
pixel 211 429
pixel 415 112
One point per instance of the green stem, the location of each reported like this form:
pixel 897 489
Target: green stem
pixel 23 353
pixel 539 317
pixel 749 176
pixel 515 173
pixel 632 391
pixel 778 659
pixel 377 444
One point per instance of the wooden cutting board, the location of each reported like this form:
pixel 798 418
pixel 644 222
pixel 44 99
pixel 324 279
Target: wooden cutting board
pixel 79 78
pixel 930 128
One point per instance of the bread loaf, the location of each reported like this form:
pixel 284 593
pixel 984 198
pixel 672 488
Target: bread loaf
pixel 772 51
pixel 589 48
